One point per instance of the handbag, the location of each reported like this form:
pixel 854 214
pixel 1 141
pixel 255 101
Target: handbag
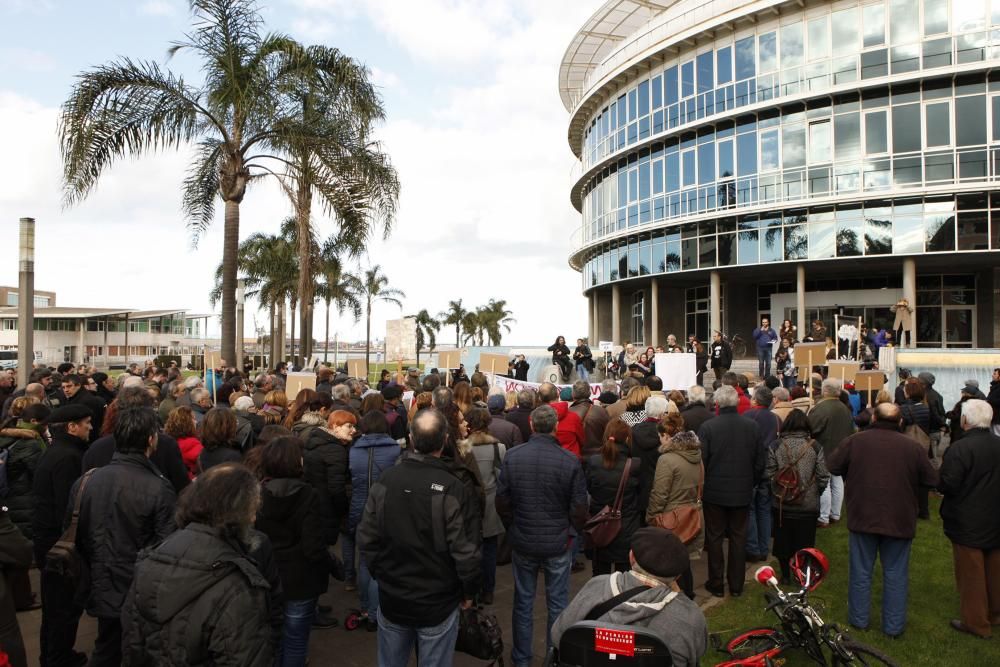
pixel 683 521
pixel 602 528
pixel 479 635
pixel 63 559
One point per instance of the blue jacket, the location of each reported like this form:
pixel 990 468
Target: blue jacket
pixel 764 338
pixel 541 497
pixel 385 452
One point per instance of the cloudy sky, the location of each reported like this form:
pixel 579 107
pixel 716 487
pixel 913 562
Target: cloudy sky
pixel 475 128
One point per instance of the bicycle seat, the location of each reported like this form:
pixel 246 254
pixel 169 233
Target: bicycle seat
pixel 593 643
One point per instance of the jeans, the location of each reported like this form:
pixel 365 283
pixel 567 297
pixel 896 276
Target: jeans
pixel 556 570
pixel 295 634
pixel 789 381
pixel 764 361
pixel 759 522
pixel 367 589
pixel 895 555
pixel 108 645
pixel 581 371
pixel 60 619
pixel 831 500
pixel 490 545
pixel 347 555
pixel 435 644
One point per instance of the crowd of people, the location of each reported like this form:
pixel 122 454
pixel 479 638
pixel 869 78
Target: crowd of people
pixel 209 514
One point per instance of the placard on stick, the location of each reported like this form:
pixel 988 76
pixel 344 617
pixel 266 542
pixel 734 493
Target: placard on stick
pixel 493 363
pixel 296 382
pixel 808 355
pixel 451 359
pixel 845 371
pixel 356 368
pixel 869 381
pixel 213 359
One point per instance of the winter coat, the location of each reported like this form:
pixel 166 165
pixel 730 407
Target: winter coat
pixel 670 615
pixel 970 482
pixel 309 422
pixel 290 517
pixel 197 599
pixel 57 470
pixel 634 416
pixel 248 427
pixel 916 413
pixel 831 422
pixel 542 497
pixel 326 468
pixel 25 448
pixel 420 536
pixel 721 354
pixel 383 452
pixel 96 405
pixel 167 458
pixel 569 430
pixel 489 454
pixel 595 419
pixel 127 506
pixel 733 452
pixel 166 406
pixel 767 421
pixel 694 415
pixel 602 485
pixel 190 451
pixel 811 467
pixel 935 404
pixel 646 446
pixel 903 316
pixel 506 432
pixel 883 471
pixel 519 417
pixel 211 457
pixel 993 398
pixel 782 409
pixel 675 484
pixel 15 560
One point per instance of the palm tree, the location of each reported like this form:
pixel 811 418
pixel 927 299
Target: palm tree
pixel 495 317
pixel 473 327
pixel 375 287
pixel 427 328
pixel 240 118
pixel 335 159
pixel 454 315
pixel 338 288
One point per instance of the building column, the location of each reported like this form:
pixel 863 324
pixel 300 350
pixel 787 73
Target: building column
pixel 800 300
pixel 714 302
pixel 81 348
pixel 910 294
pixel 616 314
pixel 595 332
pixel 654 312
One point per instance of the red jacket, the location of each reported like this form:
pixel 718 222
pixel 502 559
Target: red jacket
pixel 569 430
pixel 190 449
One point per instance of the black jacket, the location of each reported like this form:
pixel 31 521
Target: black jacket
pixel 519 417
pixel 167 458
pixel 645 446
pixel 694 415
pixel 721 354
pixel 25 448
pixel 96 406
pixel 970 482
pixel 212 457
pixel 994 400
pixel 935 404
pixel 602 484
pixel 127 506
pixel 197 599
pixel 420 535
pixel 15 555
pixel 59 467
pixel 290 517
pixel 734 456
pixel 326 468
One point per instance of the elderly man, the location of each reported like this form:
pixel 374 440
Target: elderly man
pixel 593 416
pixel 695 412
pixel 201 403
pixel 263 384
pixel 831 422
pixel 506 432
pixel 734 458
pixel 884 471
pixel 782 403
pixel 970 482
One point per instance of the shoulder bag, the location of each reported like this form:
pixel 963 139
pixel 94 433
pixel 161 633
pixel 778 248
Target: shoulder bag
pixel 63 559
pixel 684 521
pixel 602 528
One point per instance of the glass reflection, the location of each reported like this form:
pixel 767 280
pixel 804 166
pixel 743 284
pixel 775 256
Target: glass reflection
pixel 844 31
pixel 767 53
pixel 873 20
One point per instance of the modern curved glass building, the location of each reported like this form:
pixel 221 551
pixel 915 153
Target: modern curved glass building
pixel 793 159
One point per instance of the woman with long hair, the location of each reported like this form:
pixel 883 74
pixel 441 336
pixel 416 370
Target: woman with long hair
pixel 372 402
pixel 462 393
pixel 794 524
pixel 635 405
pixel 604 474
pixel 420 401
pixel 275 407
pixel 218 439
pixel 182 427
pixel 788 330
pixel 299 407
pixel 561 358
pixel 489 454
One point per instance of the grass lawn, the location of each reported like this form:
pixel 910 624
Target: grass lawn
pixel 933 602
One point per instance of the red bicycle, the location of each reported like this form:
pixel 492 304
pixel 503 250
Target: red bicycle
pixel 801 626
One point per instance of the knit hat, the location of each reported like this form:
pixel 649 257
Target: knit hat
pixel 608 398
pixel 70 413
pixel 659 552
pixel 566 394
pixel 496 403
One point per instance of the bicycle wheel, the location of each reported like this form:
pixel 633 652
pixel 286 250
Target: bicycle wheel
pixel 754 642
pixel 865 655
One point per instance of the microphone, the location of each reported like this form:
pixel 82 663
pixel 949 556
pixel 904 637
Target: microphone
pixel 765 576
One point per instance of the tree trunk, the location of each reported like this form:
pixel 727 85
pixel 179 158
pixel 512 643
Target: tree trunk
pixel 368 339
pixel 326 348
pixel 284 332
pixel 272 342
pixel 303 211
pixel 230 250
pixel 295 358
pixel 458 333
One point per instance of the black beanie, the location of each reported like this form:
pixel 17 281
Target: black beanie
pixel 659 552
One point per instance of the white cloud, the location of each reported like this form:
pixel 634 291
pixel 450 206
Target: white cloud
pixel 160 8
pixel 384 79
pixel 25 60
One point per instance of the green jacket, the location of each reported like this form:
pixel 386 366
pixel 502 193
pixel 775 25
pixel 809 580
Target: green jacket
pixel 26 447
pixel 831 422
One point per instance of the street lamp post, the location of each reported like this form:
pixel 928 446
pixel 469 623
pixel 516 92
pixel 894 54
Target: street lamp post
pixel 26 302
pixel 240 299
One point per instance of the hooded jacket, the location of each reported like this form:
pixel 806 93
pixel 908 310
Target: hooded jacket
pixel 678 474
pixel 326 468
pixel 671 616
pixel 290 517
pixel 569 430
pixel 489 454
pixel 382 452
pixel 646 446
pixel 190 447
pixel 25 448
pixel 197 599
pixel 309 422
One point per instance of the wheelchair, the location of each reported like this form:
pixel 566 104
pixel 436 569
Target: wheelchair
pixel 594 644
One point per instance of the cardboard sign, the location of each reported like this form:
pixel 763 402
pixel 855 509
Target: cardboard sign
pixel 296 382
pixel 870 381
pixel 493 363
pixel 356 368
pixel 213 358
pixel 678 370
pixel 842 370
pixel 606 346
pixel 452 359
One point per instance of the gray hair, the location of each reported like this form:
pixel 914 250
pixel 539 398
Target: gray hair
pixel 831 388
pixel 656 406
pixel 544 419
pixel 135 381
pixel 442 397
pixel 763 396
pixel 192 382
pixel 261 380
pixel 726 397
pixel 198 394
pixel 696 394
pixel 341 392
pixel 525 398
pixel 977 413
pixel 610 385
pixel 780 394
pixel 581 390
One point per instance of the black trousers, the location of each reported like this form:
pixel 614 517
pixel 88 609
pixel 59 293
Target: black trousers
pixel 791 533
pixel 108 645
pixel 10 632
pixel 720 523
pixel 60 620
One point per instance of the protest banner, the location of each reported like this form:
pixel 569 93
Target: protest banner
pixel 509 384
pixel 296 382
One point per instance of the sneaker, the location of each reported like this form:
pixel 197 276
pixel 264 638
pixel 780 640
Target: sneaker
pixel 324 622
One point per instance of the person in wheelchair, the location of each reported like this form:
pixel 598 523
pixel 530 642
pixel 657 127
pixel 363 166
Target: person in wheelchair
pixel 647 596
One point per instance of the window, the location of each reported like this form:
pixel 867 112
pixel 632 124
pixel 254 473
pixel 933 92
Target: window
pixel 769 150
pixel 706 163
pixel 906 128
pixel 643 98
pixel 970 120
pixel 937 124
pixel 724 65
pixel 687 159
pixel 968 14
pixel 745 59
pixel 726 169
pixel 12 298
pixel 746 153
pixel 768 54
pixel 9 325
pixel 903 17
pixel 791 45
pixel 793 146
pixel 873 19
pixel 670 85
pixel 638 307
pixel 820 149
pixel 819 39
pixel 847 136
pixel 935 17
pixel 42 301
pixel 996 117
pixel 687 79
pixel 845 32
pixel 706 75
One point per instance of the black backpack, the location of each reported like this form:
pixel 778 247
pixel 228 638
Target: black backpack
pixel 479 635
